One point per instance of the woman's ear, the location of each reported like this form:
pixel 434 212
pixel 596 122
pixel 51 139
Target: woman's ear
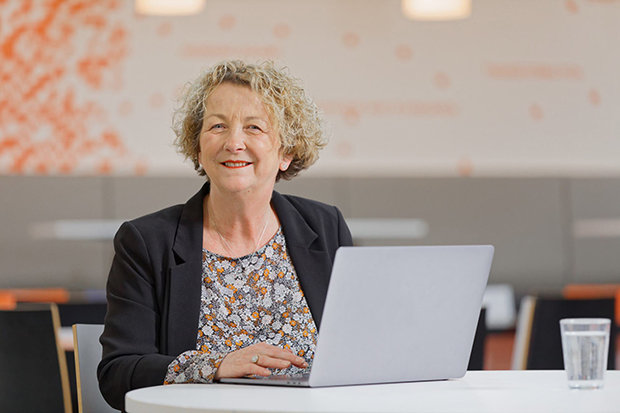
pixel 198 159
pixel 286 161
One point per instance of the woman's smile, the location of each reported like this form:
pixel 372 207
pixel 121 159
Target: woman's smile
pixel 236 164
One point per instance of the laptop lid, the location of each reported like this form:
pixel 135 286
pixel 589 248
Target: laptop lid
pixel 398 314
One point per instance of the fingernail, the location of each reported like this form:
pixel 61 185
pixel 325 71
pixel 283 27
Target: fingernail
pixel 305 364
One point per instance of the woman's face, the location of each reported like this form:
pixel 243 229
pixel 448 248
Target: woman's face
pixel 239 145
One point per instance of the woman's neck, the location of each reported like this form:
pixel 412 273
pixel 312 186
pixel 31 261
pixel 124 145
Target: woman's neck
pixel 237 224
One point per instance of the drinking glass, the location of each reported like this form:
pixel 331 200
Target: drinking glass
pixel 585 346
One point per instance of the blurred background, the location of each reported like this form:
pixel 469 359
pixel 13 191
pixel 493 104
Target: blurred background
pixel 497 125
pixel 451 122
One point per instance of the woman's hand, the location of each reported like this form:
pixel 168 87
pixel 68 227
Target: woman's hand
pixel 257 359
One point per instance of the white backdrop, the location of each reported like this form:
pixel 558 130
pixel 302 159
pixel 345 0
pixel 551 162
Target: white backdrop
pixel 521 88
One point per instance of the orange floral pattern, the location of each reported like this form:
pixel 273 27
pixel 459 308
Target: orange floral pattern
pixel 245 301
pixel 56 58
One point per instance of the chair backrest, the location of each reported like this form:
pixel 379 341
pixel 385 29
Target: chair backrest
pixel 476 359
pixel 77 313
pixel 523 331
pixel 591 291
pixel 88 353
pixel 81 313
pixel 33 376
pixel 543 341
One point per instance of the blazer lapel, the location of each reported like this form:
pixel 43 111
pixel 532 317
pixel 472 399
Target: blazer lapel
pixel 313 265
pixel 184 279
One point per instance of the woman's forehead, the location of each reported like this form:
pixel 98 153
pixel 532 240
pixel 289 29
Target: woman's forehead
pixel 230 100
pixel 229 95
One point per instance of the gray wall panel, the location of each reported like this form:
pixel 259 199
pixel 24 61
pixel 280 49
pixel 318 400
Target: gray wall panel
pixel 522 218
pixel 29 200
pixel 528 220
pixel 333 191
pixel 74 265
pixel 132 197
pixel 596 259
pixel 29 262
pixel 595 198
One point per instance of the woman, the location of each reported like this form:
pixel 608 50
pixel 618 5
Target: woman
pixel 233 282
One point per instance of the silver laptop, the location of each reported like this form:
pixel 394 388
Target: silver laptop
pixel 396 314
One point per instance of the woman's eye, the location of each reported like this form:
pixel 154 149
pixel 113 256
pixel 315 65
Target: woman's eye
pixel 254 127
pixel 218 126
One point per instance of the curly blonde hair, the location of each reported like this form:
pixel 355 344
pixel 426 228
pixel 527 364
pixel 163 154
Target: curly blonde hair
pixel 298 119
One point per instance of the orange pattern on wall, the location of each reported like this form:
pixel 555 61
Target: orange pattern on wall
pixel 54 56
pixel 353 111
pixel 404 52
pixel 594 97
pixel 539 71
pixel 282 31
pixel 351 40
pixel 571 6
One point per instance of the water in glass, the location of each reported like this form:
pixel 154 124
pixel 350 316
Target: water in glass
pixel 585 358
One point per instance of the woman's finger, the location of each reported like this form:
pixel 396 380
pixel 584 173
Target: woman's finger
pixel 270 362
pixel 257 370
pixel 279 353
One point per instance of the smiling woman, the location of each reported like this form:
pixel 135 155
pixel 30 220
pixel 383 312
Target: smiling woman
pixel 290 109
pixel 239 146
pixel 233 282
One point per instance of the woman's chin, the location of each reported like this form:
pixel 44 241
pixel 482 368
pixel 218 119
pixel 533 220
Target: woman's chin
pixel 241 185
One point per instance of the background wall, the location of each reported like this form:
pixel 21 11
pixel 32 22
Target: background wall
pixel 503 128
pixel 520 88
pixel 531 222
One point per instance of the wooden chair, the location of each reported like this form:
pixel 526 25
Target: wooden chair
pixel 77 313
pixel 87 356
pixel 538 342
pixel 34 374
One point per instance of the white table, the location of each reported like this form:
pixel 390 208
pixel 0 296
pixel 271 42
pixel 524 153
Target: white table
pixel 478 391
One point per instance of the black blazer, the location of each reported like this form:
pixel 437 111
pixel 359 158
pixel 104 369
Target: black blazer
pixel 153 289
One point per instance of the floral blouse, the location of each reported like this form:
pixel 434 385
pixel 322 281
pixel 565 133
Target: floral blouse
pixel 245 301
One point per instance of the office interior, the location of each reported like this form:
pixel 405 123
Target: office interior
pixel 498 126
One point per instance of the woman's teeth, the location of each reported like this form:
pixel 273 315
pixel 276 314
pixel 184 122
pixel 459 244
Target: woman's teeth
pixel 235 164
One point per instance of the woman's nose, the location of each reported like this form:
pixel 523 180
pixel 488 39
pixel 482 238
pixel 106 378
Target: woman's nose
pixel 235 141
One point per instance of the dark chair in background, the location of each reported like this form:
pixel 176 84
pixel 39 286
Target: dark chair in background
pixel 476 360
pixel 594 291
pixel 34 375
pixel 540 338
pixel 81 313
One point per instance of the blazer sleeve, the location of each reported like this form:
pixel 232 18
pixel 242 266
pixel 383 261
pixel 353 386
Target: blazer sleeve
pixel 344 234
pixel 132 324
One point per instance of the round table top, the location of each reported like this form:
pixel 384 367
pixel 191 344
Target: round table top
pixel 478 391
